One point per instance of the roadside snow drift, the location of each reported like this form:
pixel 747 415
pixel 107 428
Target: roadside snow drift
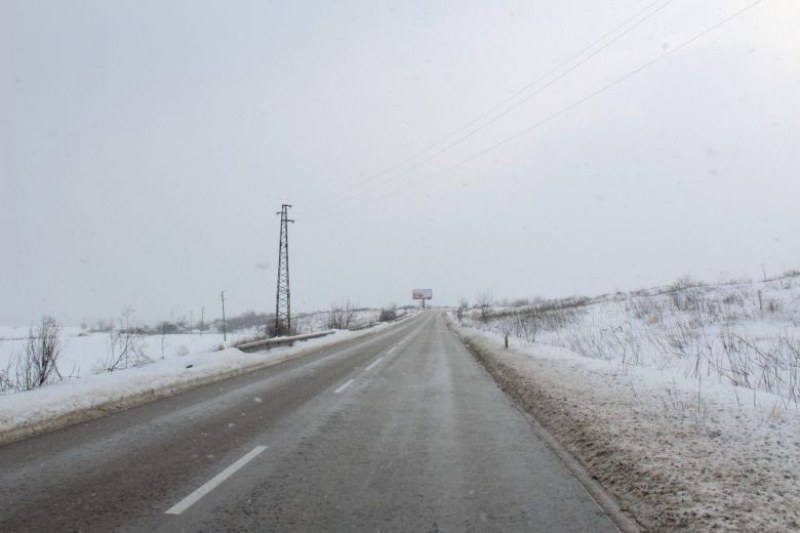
pixel 88 396
pixel 686 430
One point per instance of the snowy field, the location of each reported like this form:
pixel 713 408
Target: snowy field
pixel 682 401
pixel 155 366
pixel 84 353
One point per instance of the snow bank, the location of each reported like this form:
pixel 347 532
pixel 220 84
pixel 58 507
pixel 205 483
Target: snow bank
pixel 676 454
pixel 89 396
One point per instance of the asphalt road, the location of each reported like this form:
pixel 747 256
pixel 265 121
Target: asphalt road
pixel 399 431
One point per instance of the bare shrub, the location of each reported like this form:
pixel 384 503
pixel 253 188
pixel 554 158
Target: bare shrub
pixel 6 384
pixel 647 309
pixel 463 305
pixel 341 315
pixel 793 363
pixel 6 381
pixel 527 322
pixel 520 323
pixel 388 313
pixel 126 346
pixel 483 302
pixel 39 362
pixel 769 365
pixel 247 320
pixel 684 282
pixel 684 299
pixel 103 326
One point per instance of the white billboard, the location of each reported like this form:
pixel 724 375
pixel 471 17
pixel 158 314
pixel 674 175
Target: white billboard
pixel 422 294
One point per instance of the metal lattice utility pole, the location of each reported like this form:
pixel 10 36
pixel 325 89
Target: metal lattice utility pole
pixel 283 301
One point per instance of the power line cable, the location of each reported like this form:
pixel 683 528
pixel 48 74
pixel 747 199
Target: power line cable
pixel 496 107
pixel 545 120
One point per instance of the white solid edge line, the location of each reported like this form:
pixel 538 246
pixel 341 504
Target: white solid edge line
pixel 343 387
pixel 375 362
pixel 214 482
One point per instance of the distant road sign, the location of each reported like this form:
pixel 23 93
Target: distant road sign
pixel 422 294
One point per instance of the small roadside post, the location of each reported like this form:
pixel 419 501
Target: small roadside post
pixel 224 333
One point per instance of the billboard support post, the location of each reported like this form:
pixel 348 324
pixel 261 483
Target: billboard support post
pixel 422 294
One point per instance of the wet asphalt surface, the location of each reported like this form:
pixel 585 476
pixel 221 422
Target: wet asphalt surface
pixel 399 431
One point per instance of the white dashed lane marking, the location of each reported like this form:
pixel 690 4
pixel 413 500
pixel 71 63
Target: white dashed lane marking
pixel 375 362
pixel 343 386
pixel 214 482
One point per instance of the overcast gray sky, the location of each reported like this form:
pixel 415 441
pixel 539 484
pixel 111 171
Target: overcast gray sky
pixel 145 147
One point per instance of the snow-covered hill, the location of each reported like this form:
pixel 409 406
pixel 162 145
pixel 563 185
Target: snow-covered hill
pixel 682 400
pixel 739 338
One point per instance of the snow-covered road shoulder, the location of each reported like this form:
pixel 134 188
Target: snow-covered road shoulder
pixel 675 457
pixel 67 402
